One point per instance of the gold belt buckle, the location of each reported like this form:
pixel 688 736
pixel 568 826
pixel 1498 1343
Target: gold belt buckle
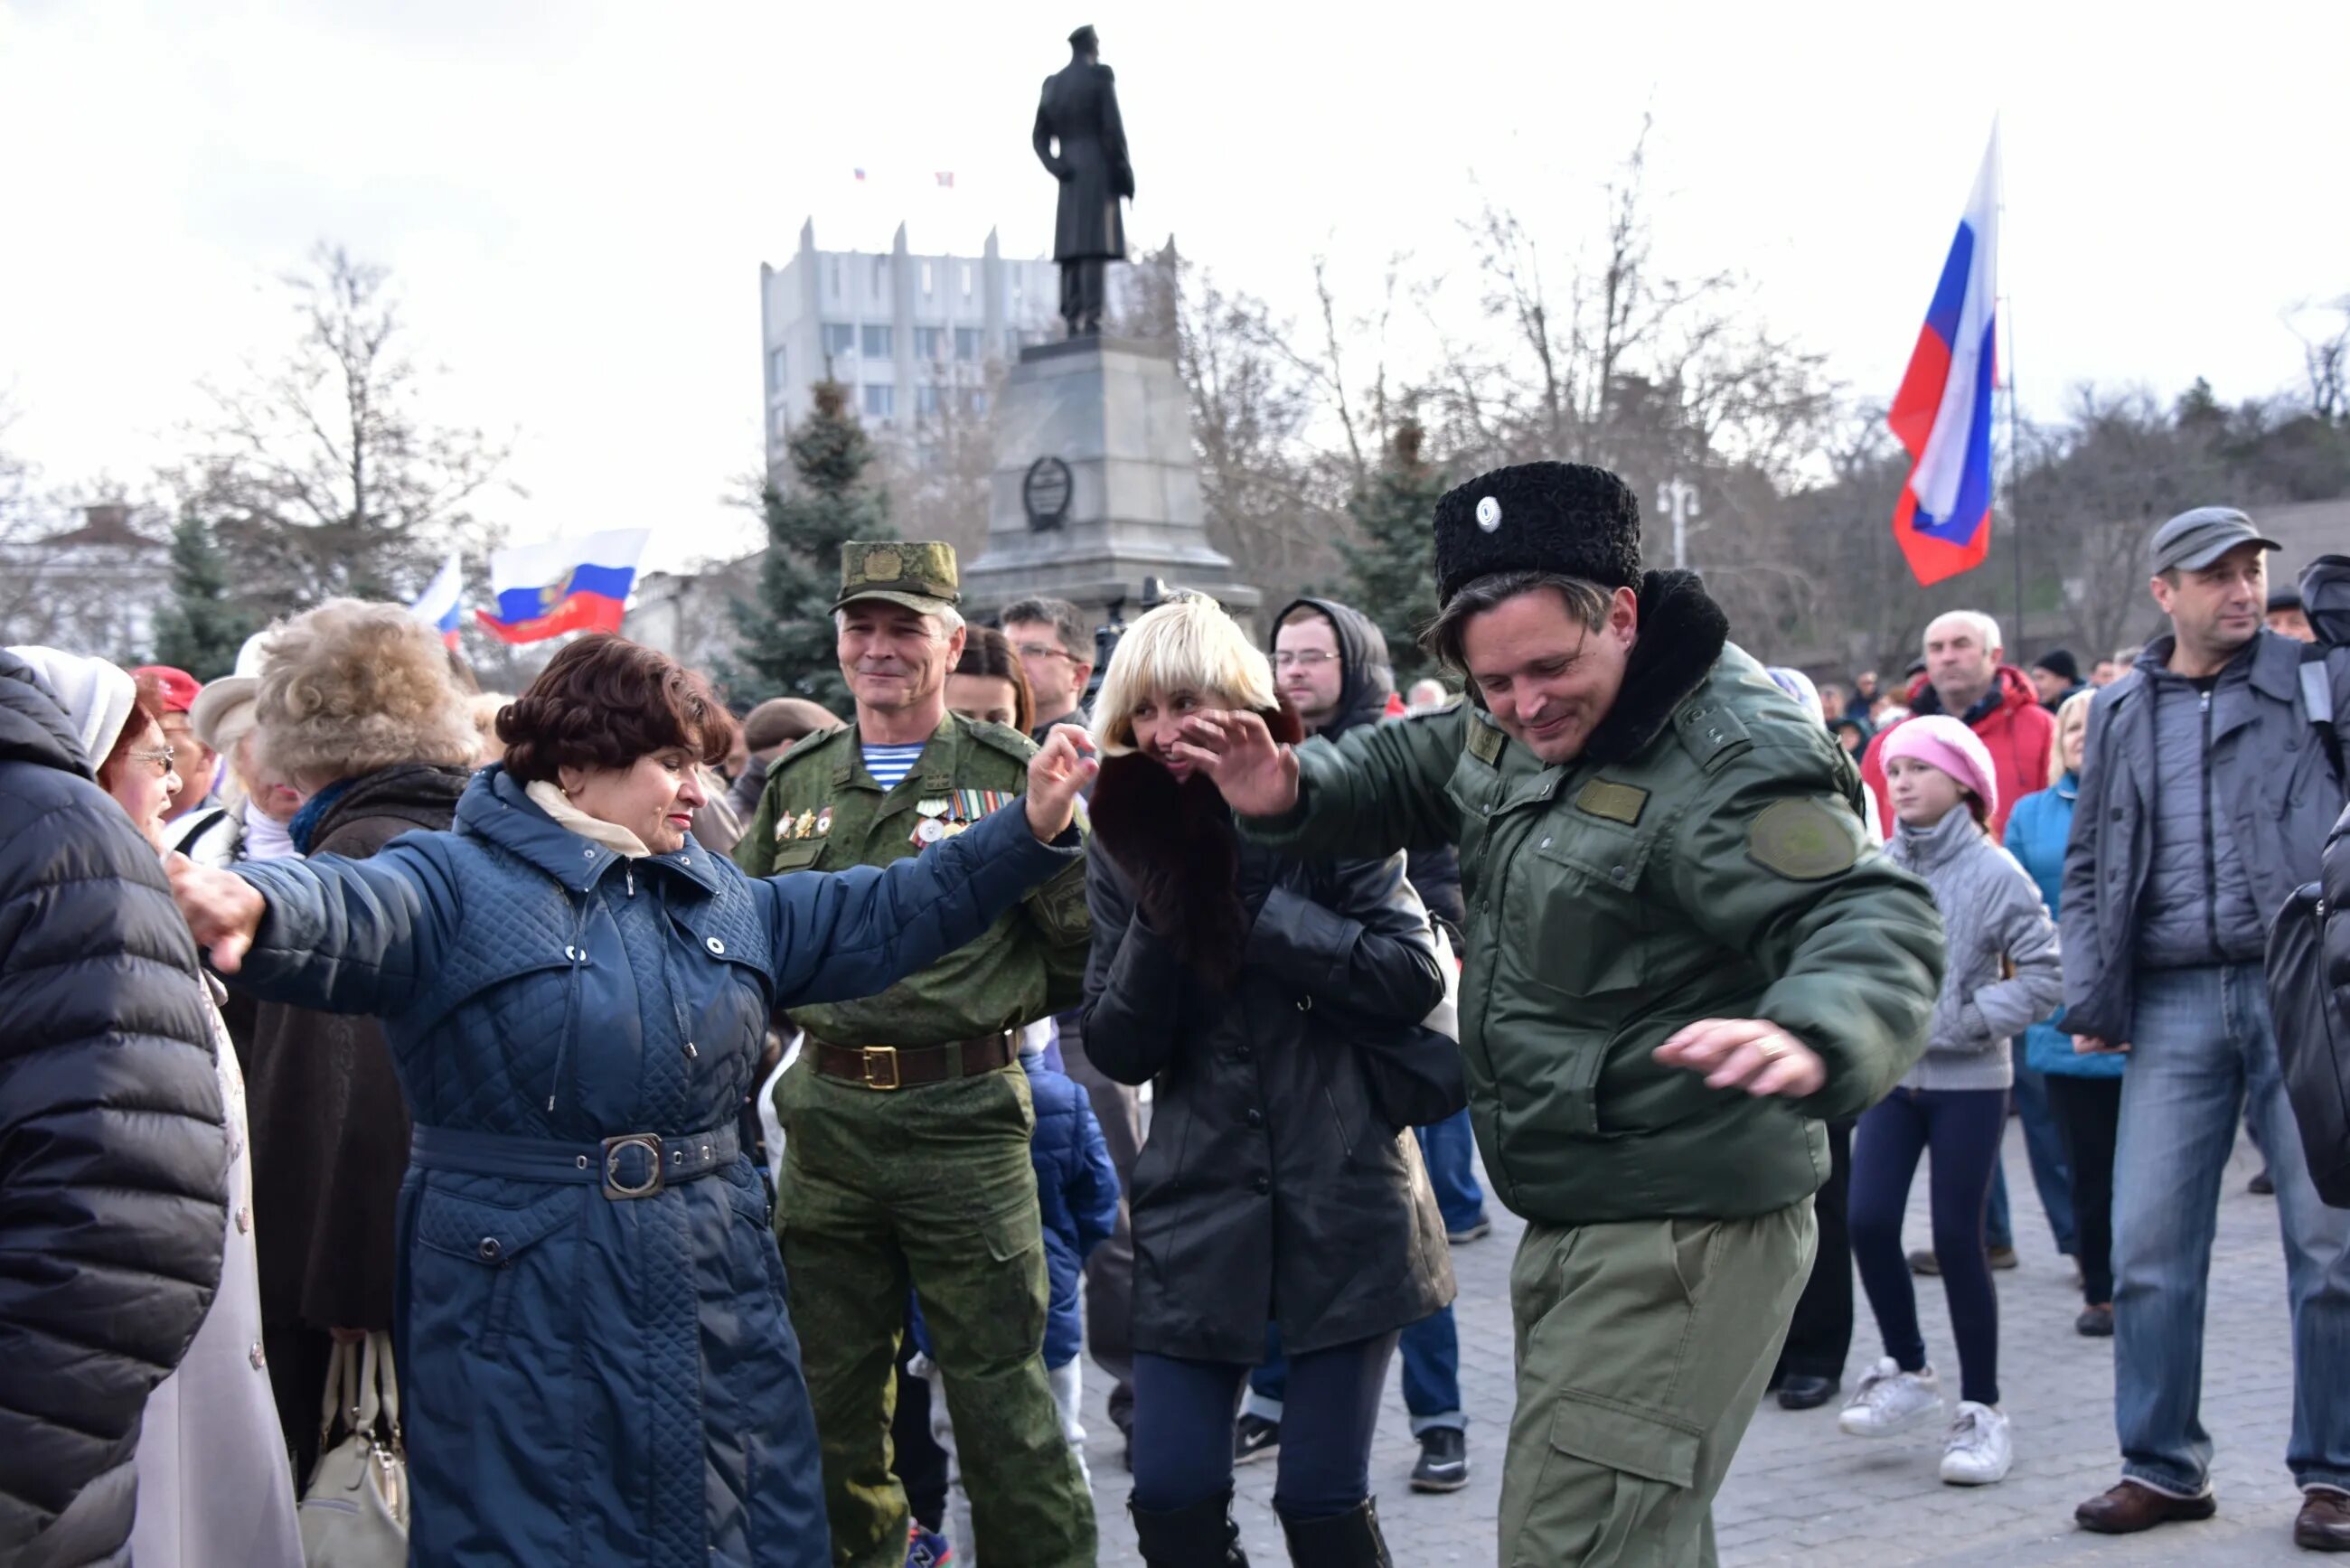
pixel 886 1055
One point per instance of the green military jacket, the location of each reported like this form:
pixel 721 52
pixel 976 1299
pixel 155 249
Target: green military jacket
pixel 1714 866
pixel 822 811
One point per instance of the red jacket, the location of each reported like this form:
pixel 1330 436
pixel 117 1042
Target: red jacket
pixel 2020 734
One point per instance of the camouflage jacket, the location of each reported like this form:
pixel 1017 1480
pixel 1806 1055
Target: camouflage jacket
pixel 822 811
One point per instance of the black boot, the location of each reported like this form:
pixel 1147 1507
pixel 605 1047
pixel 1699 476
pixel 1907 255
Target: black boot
pixel 1352 1539
pixel 1200 1536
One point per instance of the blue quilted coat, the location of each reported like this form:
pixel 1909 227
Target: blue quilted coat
pixel 597 1363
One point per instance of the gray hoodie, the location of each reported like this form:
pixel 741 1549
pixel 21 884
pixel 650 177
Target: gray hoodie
pixel 2003 972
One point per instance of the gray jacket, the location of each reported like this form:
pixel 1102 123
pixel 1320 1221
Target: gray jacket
pixel 2003 975
pixel 2272 780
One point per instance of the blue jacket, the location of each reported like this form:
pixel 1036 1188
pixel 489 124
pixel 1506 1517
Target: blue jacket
pixel 2036 832
pixel 591 1379
pixel 1077 1193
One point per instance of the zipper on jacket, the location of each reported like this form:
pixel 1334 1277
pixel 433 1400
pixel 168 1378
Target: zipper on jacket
pixel 2210 844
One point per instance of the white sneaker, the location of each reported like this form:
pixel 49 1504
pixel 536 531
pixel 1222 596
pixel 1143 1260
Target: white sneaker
pixel 1979 1448
pixel 1890 1400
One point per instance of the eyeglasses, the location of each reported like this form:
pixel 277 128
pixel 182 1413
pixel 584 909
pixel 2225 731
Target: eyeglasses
pixel 162 759
pixel 1039 650
pixel 1305 659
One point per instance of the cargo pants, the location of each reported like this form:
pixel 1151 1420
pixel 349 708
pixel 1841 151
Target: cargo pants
pixel 930 1187
pixel 1642 1351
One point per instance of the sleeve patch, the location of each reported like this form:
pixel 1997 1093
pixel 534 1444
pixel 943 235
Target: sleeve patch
pixel 1803 840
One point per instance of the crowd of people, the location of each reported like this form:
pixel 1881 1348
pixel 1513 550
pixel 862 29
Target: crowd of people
pixel 727 1137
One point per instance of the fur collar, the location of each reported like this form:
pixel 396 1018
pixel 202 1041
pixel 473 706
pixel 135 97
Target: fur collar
pixel 1180 852
pixel 1682 632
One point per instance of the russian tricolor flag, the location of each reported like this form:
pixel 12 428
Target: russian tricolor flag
pixel 442 606
pixel 564 585
pixel 1942 413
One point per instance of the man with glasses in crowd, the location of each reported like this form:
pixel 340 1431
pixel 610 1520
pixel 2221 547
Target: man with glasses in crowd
pixel 1058 653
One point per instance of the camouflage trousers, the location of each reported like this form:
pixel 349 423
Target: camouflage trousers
pixel 930 1187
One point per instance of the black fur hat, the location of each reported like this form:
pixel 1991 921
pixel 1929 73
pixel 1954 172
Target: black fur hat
pixel 1567 517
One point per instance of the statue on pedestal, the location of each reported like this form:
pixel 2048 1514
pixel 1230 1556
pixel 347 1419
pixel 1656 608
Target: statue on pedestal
pixel 1082 142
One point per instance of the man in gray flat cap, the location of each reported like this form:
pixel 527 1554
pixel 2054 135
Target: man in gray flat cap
pixel 2206 795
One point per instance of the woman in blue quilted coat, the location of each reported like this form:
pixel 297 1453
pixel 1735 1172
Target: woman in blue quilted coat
pixel 596 1358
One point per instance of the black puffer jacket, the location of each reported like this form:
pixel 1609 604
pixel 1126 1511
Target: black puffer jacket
pixel 113 1158
pixel 1268 1188
pixel 1365 682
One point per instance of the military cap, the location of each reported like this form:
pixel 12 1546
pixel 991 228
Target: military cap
pixel 1083 37
pixel 917 573
pixel 1564 517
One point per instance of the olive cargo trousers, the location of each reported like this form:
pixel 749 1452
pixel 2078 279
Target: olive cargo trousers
pixel 929 1186
pixel 1642 1351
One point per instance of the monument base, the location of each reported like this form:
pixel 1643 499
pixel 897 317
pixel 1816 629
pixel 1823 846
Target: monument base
pixel 1095 497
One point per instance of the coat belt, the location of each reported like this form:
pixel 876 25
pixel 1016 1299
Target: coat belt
pixel 625 1165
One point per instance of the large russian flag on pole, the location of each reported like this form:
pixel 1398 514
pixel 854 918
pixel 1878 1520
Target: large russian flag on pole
pixel 564 585
pixel 1942 413
pixel 442 606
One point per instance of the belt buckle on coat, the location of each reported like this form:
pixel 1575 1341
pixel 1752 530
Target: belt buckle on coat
pixel 614 1188
pixel 887 1055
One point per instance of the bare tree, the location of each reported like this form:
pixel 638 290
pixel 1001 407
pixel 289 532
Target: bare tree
pixel 323 476
pixel 2325 356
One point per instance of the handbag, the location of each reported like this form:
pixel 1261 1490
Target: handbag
pixel 2312 1040
pixel 354 1512
pixel 1414 1073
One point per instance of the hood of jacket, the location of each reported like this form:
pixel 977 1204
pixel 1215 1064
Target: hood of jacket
pixel 2325 598
pixel 1367 675
pixel 2012 686
pixel 497 807
pixel 33 728
pixel 1176 841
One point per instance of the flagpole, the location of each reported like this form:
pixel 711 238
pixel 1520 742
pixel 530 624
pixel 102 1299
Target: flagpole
pixel 2014 468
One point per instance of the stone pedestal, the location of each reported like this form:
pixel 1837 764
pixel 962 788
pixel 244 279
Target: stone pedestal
pixel 1113 412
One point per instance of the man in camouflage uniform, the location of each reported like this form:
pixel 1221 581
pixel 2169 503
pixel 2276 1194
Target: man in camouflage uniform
pixel 907 1117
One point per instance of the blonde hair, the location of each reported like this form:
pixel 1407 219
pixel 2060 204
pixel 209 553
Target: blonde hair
pixel 2078 702
pixel 1186 643
pixel 351 688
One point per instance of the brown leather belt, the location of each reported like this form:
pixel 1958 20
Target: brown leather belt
pixel 905 1067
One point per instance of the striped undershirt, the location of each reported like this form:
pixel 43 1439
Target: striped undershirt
pixel 888 764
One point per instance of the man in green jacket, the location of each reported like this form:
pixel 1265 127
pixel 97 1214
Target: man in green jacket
pixel 1684 953
pixel 907 1117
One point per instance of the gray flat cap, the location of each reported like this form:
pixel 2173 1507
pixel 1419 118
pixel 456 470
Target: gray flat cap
pixel 2193 540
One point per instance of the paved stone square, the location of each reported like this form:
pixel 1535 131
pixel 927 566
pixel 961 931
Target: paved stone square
pixel 1801 1492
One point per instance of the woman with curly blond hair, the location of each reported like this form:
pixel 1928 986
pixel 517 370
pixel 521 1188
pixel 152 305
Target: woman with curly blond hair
pixel 358 711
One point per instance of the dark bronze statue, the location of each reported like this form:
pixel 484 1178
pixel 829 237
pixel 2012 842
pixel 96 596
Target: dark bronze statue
pixel 1082 142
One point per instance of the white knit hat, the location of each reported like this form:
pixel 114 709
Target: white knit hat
pixel 97 696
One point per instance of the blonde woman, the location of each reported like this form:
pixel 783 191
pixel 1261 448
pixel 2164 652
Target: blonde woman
pixel 1239 981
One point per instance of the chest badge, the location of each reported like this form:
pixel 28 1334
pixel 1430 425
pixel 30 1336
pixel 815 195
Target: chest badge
pixel 824 822
pixel 931 825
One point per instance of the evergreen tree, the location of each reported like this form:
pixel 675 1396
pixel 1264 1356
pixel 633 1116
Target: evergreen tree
pixel 201 629
pixel 787 633
pixel 1391 569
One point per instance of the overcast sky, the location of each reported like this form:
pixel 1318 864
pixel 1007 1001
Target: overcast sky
pixel 576 198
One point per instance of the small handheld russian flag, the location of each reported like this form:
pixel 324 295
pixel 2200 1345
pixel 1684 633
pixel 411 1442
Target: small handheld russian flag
pixel 563 585
pixel 442 605
pixel 1942 413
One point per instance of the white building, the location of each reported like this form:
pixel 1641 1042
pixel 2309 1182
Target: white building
pixel 92 589
pixel 913 336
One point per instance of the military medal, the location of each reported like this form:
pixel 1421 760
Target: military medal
pixel 824 822
pixel 929 829
pixel 806 826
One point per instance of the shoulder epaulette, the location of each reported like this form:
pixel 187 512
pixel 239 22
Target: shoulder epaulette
pixel 1002 738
